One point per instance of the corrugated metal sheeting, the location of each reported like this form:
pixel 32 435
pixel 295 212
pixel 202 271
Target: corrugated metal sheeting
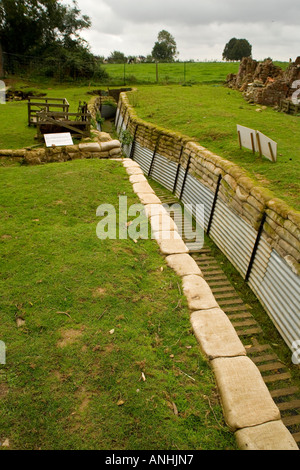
pixel 271 279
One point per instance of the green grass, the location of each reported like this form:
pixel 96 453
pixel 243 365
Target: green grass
pixel 198 72
pixel 209 114
pixel 15 132
pixel 68 382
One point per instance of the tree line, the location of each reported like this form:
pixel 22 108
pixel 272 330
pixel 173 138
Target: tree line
pixel 48 31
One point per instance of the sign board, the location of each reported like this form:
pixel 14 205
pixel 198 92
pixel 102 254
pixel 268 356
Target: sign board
pixel 257 142
pixel 58 140
pixel 267 147
pixel 247 138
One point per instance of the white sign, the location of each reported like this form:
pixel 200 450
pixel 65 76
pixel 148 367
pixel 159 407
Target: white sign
pixel 247 138
pixel 267 147
pixel 257 142
pixel 58 140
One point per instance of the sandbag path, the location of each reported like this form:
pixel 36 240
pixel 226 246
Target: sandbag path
pixel 262 419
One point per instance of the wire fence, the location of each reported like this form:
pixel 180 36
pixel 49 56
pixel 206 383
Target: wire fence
pixel 93 69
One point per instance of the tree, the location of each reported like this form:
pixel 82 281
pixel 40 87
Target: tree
pixel 28 26
pixel 116 57
pixel 237 49
pixel 165 48
pixel 49 31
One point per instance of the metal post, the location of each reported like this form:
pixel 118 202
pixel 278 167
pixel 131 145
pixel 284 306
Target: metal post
pixel 214 205
pixel 153 157
pixel 260 230
pixel 117 123
pixel 185 176
pixel 178 169
pixel 133 143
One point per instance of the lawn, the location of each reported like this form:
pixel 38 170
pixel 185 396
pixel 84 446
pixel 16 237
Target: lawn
pixel 100 352
pixel 209 114
pixel 15 132
pixel 178 72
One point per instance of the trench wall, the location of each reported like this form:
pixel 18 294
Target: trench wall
pixel 259 234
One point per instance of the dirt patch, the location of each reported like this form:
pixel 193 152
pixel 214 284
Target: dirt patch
pixel 3 390
pixel 99 292
pixel 69 337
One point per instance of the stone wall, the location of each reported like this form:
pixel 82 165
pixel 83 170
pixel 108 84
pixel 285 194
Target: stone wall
pixel 251 202
pixel 263 82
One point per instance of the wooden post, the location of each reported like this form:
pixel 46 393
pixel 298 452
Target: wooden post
pixel 259 146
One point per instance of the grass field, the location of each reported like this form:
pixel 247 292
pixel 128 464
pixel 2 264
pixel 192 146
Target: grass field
pixel 178 72
pixel 83 319
pixel 15 133
pixel 209 114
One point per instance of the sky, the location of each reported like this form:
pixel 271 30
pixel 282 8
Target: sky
pixel 201 28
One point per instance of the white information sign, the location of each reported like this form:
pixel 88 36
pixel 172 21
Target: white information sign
pixel 268 148
pixel 247 138
pixel 257 142
pixel 58 140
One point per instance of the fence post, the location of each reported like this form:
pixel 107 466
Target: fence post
pixel 154 154
pixel 253 256
pixel 185 176
pixel 214 205
pixel 117 123
pixel 178 169
pixel 133 143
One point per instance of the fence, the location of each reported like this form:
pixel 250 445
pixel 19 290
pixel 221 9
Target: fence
pixel 260 237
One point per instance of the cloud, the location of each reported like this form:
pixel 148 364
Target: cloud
pixel 201 27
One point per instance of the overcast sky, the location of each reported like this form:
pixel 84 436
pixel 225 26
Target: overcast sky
pixel 201 28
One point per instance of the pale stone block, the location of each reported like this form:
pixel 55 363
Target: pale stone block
pixel 137 179
pixel 107 146
pixel 152 210
pixel 128 163
pixel 216 335
pixel 198 293
pixel 162 222
pixel 148 198
pixel 245 397
pixel 183 265
pixel 90 147
pixel 143 187
pixel 269 436
pixel 134 171
pixel 166 235
pixel 170 247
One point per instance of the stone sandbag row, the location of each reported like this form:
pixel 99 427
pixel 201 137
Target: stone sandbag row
pixel 249 409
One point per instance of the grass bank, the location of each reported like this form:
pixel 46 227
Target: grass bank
pixel 100 352
pixel 210 113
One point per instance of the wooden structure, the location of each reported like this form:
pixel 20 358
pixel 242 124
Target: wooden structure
pixel 78 124
pixel 287 106
pixel 38 104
